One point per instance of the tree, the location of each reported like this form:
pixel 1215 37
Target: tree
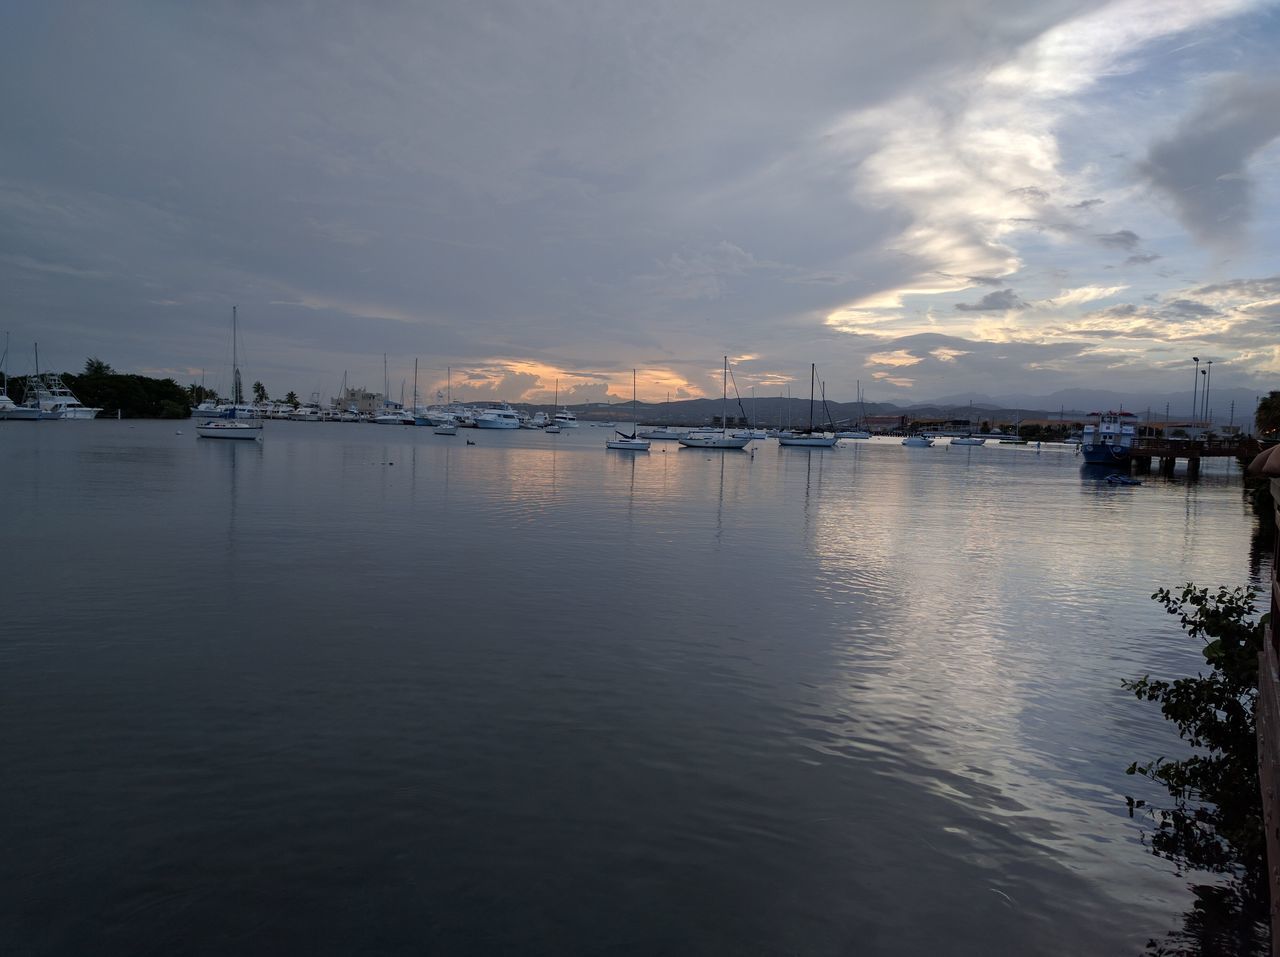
pixel 1267 418
pixel 259 392
pixel 292 398
pixel 95 366
pixel 1214 822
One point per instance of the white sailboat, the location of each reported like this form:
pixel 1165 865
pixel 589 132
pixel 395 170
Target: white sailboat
pixel 234 423
pixel 861 432
pixel 808 438
pixel 554 427
pixel 8 408
pixel 629 443
pixel 711 439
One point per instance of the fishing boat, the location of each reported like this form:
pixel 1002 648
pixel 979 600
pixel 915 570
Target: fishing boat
pixel 722 438
pixel 233 423
pixel 1109 439
pixel 629 443
pixel 808 438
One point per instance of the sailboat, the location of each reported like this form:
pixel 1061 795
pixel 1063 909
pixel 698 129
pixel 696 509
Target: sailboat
pixel 624 442
pixel 711 439
pixel 969 439
pixel 8 408
pixel 808 438
pixel 861 431
pixel 235 422
pixel 554 427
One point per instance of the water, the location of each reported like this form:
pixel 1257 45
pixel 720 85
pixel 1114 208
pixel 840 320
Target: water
pixel 365 689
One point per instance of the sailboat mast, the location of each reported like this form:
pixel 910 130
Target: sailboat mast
pixel 415 385
pixel 813 371
pixel 724 398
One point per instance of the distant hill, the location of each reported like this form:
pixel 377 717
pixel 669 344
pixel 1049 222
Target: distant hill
pixel 1071 404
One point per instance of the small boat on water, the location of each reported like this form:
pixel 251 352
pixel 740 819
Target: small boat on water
pixel 498 418
pixel 233 423
pixel 629 443
pixel 446 430
pixel 968 440
pixel 918 441
pixel 718 439
pixel 566 419
pixel 1109 439
pixel 808 438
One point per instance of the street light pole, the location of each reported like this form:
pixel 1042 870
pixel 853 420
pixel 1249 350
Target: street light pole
pixel 1208 379
pixel 1195 388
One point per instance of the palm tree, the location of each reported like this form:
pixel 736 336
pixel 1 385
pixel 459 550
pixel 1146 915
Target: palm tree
pixel 95 366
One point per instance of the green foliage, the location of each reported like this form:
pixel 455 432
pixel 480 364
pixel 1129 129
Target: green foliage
pixel 132 396
pixel 95 366
pixel 259 392
pixel 1267 416
pixel 292 399
pixel 197 393
pixel 1214 821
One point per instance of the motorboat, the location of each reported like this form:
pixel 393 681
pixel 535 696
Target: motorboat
pixel 566 419
pixel 917 441
pixel 663 434
pixel 53 396
pixel 502 418
pixel 968 440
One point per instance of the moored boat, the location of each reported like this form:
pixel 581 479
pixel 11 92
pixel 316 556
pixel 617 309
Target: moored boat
pixel 233 423
pixel 1109 439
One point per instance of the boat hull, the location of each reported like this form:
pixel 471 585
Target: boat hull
pixel 483 423
pixel 627 445
pixel 243 431
pixel 716 441
pixel 808 441
pixel 1104 454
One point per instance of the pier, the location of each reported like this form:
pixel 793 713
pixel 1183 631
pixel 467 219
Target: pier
pixel 1167 451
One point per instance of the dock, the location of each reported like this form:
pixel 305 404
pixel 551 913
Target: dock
pixel 1147 449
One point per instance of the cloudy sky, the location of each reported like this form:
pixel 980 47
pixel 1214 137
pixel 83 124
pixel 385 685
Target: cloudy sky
pixel 930 197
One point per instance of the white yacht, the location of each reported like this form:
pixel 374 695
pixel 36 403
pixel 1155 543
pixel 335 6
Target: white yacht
pixel 566 419
pixel 968 440
pixel 664 434
pixel 504 418
pixel 54 396
pixel 918 441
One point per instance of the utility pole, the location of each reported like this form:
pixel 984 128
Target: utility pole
pixel 1195 388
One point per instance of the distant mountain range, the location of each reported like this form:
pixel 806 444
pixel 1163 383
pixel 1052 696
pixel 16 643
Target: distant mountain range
pixel 1072 404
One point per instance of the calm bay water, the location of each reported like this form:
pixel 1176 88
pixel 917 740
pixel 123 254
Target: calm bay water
pixel 365 689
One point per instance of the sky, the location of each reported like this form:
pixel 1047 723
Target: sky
pixel 926 198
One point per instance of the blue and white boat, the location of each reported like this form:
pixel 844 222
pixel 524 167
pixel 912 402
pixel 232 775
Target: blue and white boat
pixel 1109 440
